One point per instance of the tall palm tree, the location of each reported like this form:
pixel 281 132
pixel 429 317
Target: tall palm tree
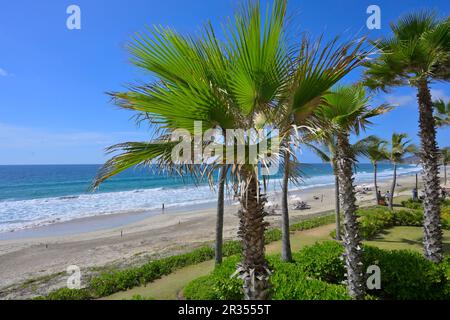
pixel 326 151
pixel 445 156
pixel 441 113
pixel 227 85
pixel 417 54
pixel 220 213
pixel 346 110
pixel 398 149
pixel 377 152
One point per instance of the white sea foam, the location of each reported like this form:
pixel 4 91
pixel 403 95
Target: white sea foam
pixel 21 214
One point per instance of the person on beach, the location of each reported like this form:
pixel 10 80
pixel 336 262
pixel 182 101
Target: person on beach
pixel 387 196
pixel 414 194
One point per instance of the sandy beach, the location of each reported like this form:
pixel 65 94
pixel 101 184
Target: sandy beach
pixel 97 243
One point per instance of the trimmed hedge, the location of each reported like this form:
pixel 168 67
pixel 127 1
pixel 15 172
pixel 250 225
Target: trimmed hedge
pixel 376 219
pixel 318 272
pixel 111 282
pixel 404 274
pixel 289 282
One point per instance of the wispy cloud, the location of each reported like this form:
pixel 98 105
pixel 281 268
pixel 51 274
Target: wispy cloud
pixel 29 145
pixel 437 94
pixel 399 101
pixel 3 73
pixel 17 137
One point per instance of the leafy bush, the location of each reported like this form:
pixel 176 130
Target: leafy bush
pixel 291 285
pixel 404 274
pixel 201 289
pixel 408 218
pixel 68 294
pixel 373 222
pixel 288 283
pixel 312 223
pixel 272 235
pixel 111 282
pixel 230 248
pixel 411 204
pixel 322 261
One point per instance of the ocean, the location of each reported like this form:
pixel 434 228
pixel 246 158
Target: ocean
pixel 38 195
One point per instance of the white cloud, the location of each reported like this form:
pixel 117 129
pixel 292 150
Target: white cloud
pixel 3 73
pixel 16 137
pixel 437 94
pixel 398 101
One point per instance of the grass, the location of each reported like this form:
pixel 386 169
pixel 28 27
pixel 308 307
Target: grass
pixel 405 238
pixel 168 287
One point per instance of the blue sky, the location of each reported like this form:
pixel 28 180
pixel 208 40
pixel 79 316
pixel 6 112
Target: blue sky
pixel 53 106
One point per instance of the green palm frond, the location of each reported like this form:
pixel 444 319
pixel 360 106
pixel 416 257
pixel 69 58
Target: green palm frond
pixel 400 146
pixel 319 68
pixel 418 50
pixel 441 113
pixel 346 108
pixel 133 154
pixel 248 80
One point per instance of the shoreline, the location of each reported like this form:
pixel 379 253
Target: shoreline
pixel 152 237
pixel 113 220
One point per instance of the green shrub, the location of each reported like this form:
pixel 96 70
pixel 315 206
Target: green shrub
pixel 231 248
pixel 312 223
pixel 373 221
pixel 201 289
pixel 406 275
pixel 411 204
pixel 68 294
pixel 288 283
pixel 111 282
pixel 272 235
pixel 322 261
pixel 285 287
pixel 408 218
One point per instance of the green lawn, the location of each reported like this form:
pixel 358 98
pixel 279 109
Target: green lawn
pixel 168 287
pixel 405 238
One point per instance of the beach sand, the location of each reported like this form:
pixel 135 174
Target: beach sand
pixel 45 255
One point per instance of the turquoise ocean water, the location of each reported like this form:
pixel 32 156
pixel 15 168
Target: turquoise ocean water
pixel 40 195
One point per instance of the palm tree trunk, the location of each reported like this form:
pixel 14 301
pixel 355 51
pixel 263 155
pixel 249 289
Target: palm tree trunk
pixel 253 268
pixel 219 220
pixel 394 182
pixel 445 173
pixel 352 239
pixel 375 183
pixel 336 202
pixel 286 253
pixel 429 158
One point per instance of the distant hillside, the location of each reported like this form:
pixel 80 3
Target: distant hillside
pixel 412 160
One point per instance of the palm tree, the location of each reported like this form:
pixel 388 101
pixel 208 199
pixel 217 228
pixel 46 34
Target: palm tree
pixel 346 110
pixel 441 113
pixel 377 152
pixel 220 213
pixel 416 55
pixel 286 252
pixel 227 85
pixel 326 151
pixel 398 149
pixel 445 155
